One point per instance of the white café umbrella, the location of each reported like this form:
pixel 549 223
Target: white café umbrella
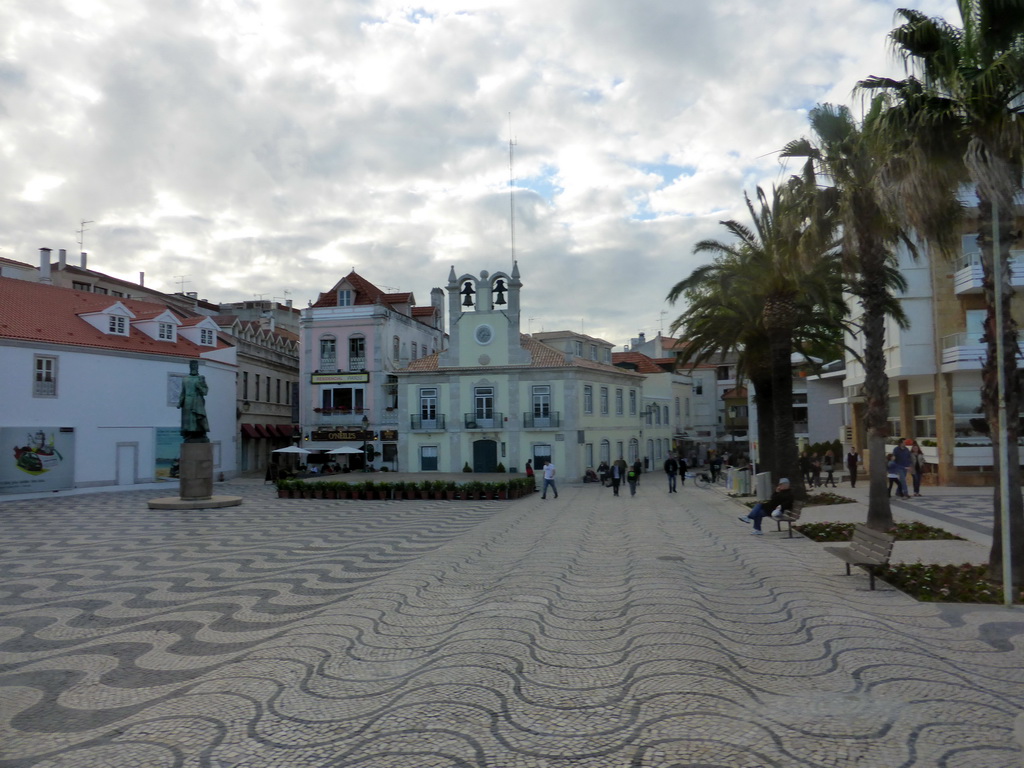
pixel 290 449
pixel 345 449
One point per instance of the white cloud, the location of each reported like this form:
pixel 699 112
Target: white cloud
pixel 264 146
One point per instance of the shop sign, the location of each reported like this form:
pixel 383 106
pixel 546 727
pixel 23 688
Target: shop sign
pixel 339 378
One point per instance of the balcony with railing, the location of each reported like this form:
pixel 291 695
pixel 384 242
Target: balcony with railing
pixel 493 420
pixel 550 420
pixel 328 363
pixel 356 364
pixel 420 424
pixel 967 271
pixel 963 352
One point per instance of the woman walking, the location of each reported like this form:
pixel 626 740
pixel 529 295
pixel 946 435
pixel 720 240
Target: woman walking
pixel 828 465
pixel 917 467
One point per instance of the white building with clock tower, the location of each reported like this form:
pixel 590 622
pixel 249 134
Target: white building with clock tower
pixel 496 397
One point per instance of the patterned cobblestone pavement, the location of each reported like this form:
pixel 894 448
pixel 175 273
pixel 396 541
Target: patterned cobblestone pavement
pixel 589 631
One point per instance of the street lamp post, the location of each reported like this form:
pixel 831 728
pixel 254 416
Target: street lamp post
pixel 366 429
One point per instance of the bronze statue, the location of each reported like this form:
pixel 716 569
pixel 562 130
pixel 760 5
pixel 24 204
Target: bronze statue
pixel 192 402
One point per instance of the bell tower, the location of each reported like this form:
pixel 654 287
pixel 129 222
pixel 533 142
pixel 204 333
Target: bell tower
pixel 484 320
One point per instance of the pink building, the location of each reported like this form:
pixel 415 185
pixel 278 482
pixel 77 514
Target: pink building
pixel 352 340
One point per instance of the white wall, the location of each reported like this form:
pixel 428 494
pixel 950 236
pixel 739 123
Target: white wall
pixel 112 400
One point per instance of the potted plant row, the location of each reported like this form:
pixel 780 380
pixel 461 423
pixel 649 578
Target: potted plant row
pixel 426 489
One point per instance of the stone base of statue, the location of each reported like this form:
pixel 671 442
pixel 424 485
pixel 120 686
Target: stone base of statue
pixel 195 474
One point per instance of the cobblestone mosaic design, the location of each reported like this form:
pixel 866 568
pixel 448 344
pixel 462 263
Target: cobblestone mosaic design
pixel 589 631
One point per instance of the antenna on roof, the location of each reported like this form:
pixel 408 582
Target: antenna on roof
pixel 182 282
pixel 511 187
pixel 81 234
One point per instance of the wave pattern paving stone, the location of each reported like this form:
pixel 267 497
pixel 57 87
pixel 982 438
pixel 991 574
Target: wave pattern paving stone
pixel 596 631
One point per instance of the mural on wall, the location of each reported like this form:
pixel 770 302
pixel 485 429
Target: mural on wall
pixel 168 452
pixel 36 459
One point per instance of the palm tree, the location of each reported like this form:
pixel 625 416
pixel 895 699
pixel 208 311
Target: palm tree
pixel 963 100
pixel 790 272
pixel 723 316
pixel 851 159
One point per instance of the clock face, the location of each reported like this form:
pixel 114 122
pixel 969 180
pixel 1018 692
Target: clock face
pixel 484 334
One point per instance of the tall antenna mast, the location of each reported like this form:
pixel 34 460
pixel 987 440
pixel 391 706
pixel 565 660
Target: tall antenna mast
pixel 511 187
pixel 81 234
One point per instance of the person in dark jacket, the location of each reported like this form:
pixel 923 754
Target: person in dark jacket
pixel 672 470
pixel 782 498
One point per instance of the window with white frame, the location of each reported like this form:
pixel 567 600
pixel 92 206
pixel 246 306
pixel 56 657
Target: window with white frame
pixel 165 331
pixel 483 403
pixel 428 458
pixel 344 297
pixel 45 377
pixel 588 454
pixel 606 451
pixel 428 404
pixel 328 353
pixel 618 402
pixel 206 337
pixel 541 395
pixel 604 401
pixel 698 386
pixel 396 348
pixel 344 399
pixel 664 413
pixel 118 325
pixel 632 402
pixel 357 353
pixel 588 398
pixel 593 351
pixel 578 348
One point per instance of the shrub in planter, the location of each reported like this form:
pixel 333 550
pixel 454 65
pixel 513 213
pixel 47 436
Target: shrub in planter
pixel 450 489
pixel 500 467
pixel 286 488
pixel 467 468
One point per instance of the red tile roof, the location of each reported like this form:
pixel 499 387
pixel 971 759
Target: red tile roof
pixel 44 313
pixel 543 356
pixel 643 363
pixel 365 293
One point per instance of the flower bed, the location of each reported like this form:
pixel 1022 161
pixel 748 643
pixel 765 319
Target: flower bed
pixel 902 531
pixel 944 583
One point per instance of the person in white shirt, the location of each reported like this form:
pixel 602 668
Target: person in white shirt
pixel 549 480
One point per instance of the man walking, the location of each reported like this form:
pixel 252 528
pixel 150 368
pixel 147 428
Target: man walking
pixel 904 461
pixel 671 469
pixel 549 480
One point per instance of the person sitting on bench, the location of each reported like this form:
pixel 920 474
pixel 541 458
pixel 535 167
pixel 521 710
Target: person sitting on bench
pixel 783 497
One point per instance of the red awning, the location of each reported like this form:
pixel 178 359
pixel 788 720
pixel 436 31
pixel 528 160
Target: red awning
pixel 261 430
pixel 250 431
pixel 286 430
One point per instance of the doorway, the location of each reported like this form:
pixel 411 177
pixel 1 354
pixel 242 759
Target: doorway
pixel 485 456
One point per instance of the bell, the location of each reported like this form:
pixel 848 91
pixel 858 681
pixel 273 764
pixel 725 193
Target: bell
pixel 501 298
pixel 468 301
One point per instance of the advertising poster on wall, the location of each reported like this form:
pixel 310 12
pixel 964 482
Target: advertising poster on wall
pixel 36 459
pixel 168 452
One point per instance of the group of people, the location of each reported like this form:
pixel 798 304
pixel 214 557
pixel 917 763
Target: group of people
pixel 619 472
pixel 906 459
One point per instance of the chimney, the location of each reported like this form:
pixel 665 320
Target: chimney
pixel 288 303
pixel 63 260
pixel 85 260
pixel 142 279
pixel 44 266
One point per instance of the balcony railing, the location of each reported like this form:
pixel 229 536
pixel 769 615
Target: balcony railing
pixel 328 364
pixel 357 364
pixel 493 420
pixel 418 423
pixel 552 419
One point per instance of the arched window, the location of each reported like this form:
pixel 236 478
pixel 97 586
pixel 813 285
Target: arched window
pixel 606 451
pixel 396 348
pixel 412 353
pixel 328 353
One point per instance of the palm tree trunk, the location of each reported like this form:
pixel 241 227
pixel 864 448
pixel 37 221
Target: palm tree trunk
pixel 876 392
pixel 1010 452
pixel 763 402
pixel 786 458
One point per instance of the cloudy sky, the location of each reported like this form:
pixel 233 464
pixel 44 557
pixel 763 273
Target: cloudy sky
pixel 264 148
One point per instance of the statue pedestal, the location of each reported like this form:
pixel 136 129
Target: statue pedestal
pixel 195 475
pixel 196 471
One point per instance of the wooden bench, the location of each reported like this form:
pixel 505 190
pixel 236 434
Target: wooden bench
pixel 868 547
pixel 790 516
